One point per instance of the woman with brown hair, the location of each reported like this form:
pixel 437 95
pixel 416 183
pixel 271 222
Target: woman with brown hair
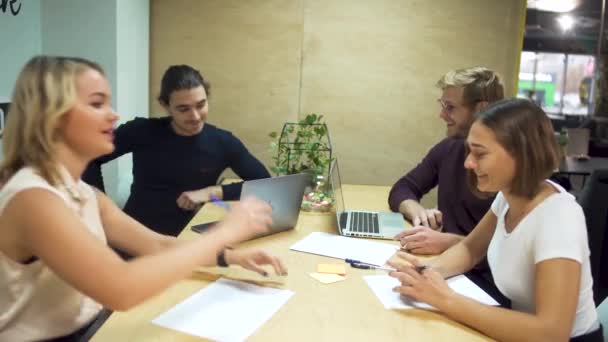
pixel 534 236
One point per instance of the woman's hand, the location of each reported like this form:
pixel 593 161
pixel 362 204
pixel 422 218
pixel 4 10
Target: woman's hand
pixel 420 282
pixel 246 218
pixel 254 259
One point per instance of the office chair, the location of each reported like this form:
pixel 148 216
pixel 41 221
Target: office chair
pixel 593 199
pixel 94 326
pixel 602 315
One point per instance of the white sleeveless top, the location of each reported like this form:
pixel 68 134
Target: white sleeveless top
pixel 35 303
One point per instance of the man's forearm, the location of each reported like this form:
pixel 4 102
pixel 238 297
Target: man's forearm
pixel 407 208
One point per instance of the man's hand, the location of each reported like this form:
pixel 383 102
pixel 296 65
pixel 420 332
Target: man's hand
pixel 424 240
pixel 420 216
pixel 192 200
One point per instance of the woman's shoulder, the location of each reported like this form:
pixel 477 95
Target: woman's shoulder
pixel 560 210
pixel 561 203
pixel 25 178
pixel 558 196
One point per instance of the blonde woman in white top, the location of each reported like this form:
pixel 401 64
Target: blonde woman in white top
pixel 534 236
pixel 56 270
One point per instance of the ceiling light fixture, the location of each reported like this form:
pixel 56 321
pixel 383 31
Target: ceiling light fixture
pixel 560 6
pixel 566 22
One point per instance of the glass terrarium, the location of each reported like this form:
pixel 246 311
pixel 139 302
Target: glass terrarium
pixel 305 147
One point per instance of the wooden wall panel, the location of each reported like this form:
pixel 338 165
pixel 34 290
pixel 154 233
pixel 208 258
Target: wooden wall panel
pixel 368 66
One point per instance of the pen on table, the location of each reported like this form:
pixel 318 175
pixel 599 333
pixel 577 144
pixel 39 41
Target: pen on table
pixel 364 266
pixel 350 261
pixel 215 200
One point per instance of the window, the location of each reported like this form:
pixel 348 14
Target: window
pixel 560 83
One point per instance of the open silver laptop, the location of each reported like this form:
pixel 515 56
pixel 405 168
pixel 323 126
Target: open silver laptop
pixel 366 224
pixel 284 194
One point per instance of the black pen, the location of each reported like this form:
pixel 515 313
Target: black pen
pixel 368 266
pixel 353 261
pixel 365 266
pixel 350 261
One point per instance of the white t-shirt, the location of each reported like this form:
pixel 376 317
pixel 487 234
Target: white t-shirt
pixel 554 229
pixel 35 303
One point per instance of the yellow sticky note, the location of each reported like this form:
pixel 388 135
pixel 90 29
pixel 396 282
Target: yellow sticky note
pixel 327 278
pixel 331 268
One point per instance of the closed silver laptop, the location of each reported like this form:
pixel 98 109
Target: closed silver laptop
pixel 360 223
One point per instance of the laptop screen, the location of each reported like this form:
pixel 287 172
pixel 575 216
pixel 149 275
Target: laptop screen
pixel 336 187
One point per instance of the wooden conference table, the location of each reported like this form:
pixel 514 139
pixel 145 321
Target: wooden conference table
pixel 343 311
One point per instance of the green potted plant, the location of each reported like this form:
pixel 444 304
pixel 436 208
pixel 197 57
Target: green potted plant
pixel 304 146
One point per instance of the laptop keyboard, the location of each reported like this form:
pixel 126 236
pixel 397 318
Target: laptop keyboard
pixel 343 220
pixel 364 223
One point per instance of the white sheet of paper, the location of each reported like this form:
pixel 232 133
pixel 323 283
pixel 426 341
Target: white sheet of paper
pixel 382 286
pixel 341 247
pixel 226 310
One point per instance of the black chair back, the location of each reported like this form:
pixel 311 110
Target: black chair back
pixel 593 198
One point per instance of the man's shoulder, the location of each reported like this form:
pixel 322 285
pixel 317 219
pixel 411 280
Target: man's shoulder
pixel 447 146
pixel 216 130
pixel 145 123
pixel 219 135
pixel 451 142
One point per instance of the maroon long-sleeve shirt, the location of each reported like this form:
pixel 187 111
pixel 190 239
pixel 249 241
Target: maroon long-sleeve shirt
pixel 443 166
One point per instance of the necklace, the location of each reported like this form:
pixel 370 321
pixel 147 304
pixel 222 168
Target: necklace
pixel 76 196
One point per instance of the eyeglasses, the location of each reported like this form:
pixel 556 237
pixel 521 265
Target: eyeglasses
pixel 449 108
pixel 446 107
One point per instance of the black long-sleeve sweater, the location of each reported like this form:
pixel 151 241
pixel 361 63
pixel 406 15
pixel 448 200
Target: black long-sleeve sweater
pixel 166 164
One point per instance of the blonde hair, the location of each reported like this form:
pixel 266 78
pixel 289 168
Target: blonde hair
pixel 478 83
pixel 44 92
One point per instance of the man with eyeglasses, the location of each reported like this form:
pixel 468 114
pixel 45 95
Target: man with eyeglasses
pixel 464 92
